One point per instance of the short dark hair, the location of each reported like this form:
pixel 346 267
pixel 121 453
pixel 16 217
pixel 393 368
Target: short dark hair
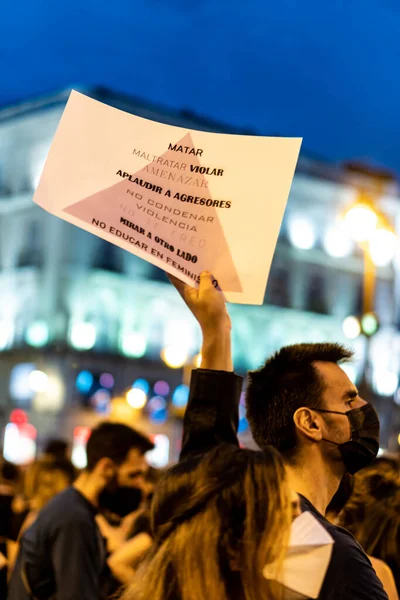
pixel 114 440
pixel 287 381
pixel 57 447
pixel 9 471
pixel 64 465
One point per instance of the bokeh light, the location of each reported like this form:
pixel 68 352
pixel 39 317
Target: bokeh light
pixel 136 398
pixel 100 401
pixel 174 356
pixel 84 382
pixel 141 384
pixel 38 381
pixel 180 396
pixel 18 416
pixel 382 247
pixel 197 360
pixel 385 382
pixel 157 407
pixel 107 380
pixel 243 424
pixel 360 222
pixel 337 242
pixel 351 328
pixel 369 324
pixel 83 336
pixel 19 388
pixel 301 233
pixel 134 344
pixel 161 388
pixel 37 334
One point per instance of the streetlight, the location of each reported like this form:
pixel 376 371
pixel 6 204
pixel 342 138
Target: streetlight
pixel 371 229
pixel 374 234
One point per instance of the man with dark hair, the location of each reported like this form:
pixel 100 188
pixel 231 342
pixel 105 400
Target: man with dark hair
pixel 289 380
pixel 62 554
pixel 57 448
pixel 304 404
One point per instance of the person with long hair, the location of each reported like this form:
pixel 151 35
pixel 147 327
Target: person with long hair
pixel 217 522
pixel 372 514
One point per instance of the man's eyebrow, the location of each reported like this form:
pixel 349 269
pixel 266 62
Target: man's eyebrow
pixel 350 394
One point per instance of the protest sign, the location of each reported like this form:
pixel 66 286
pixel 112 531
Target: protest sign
pixel 184 200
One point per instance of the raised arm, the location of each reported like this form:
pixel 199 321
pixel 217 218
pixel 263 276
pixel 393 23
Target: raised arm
pixel 211 416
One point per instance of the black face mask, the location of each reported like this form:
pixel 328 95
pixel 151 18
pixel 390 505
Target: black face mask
pixel 120 500
pixel 363 445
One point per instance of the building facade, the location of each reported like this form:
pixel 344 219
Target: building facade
pixel 72 303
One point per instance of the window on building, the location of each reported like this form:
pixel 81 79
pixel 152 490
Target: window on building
pixel 108 257
pixel 4 186
pixel 278 287
pixel 316 294
pixel 31 254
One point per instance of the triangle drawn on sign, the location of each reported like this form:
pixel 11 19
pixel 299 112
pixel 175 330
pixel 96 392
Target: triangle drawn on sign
pixel 189 228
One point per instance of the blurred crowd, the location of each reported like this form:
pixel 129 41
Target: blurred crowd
pixel 25 491
pixel 314 513
pixel 367 505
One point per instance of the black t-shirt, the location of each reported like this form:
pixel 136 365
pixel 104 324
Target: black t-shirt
pixel 62 553
pixel 350 575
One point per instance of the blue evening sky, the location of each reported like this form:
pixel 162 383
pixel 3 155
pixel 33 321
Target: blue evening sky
pixel 325 70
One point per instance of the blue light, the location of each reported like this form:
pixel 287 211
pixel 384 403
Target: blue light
pixel 141 384
pixel 157 407
pixel 84 382
pixel 100 401
pixel 160 416
pixel 20 390
pixel 243 422
pixel 180 396
pixel 243 425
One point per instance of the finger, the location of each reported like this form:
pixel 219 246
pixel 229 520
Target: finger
pixel 178 284
pixel 206 281
pixel 187 293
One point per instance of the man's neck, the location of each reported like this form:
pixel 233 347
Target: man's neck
pixel 317 484
pixel 88 487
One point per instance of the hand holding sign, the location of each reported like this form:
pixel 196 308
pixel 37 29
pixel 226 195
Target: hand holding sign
pixel 205 302
pixel 207 305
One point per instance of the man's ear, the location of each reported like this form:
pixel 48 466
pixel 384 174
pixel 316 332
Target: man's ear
pixel 308 423
pixel 105 468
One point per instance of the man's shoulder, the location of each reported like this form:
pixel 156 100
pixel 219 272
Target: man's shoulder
pixel 350 575
pixel 350 572
pixel 345 542
pixel 67 509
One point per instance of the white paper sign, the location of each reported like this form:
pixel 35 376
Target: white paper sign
pixel 181 199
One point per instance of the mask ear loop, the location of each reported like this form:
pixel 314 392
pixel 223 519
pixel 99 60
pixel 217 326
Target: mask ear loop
pixel 335 412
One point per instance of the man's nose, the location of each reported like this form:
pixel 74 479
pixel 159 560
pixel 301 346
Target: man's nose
pixel 359 403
